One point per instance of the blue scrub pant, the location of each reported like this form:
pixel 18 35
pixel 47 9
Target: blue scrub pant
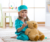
pixel 22 37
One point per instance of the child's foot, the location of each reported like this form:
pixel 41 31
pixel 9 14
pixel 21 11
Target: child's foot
pixel 14 37
pixel 1 40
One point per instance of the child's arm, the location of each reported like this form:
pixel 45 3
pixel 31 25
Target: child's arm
pixel 19 29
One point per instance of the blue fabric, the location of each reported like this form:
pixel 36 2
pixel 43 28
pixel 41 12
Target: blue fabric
pixel 21 34
pixel 22 7
pixel 22 37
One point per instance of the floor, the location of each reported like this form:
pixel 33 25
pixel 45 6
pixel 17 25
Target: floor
pixel 5 34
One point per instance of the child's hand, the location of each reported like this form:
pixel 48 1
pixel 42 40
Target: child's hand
pixel 24 25
pixel 19 29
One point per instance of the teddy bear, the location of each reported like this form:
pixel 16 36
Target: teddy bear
pixel 33 33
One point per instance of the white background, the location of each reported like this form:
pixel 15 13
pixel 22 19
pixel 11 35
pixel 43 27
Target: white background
pixel 39 12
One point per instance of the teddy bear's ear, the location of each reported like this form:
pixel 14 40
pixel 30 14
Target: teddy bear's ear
pixel 27 22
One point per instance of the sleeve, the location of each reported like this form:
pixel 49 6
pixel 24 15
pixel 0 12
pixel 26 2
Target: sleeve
pixel 17 24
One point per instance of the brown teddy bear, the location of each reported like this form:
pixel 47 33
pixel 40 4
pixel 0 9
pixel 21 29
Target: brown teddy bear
pixel 33 33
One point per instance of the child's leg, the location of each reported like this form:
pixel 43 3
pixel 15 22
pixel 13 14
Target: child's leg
pixel 22 37
pixel 14 36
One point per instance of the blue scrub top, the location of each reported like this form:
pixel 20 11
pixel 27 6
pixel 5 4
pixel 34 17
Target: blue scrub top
pixel 18 24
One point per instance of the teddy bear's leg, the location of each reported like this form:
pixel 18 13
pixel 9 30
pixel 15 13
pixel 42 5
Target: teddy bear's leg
pixel 41 36
pixel 36 37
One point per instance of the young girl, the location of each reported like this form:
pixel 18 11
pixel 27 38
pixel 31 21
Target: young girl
pixel 20 23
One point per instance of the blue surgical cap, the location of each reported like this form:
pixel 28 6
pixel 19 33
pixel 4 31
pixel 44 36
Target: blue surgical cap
pixel 22 7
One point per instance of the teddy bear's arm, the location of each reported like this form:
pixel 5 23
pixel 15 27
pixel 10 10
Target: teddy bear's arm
pixel 27 31
pixel 40 33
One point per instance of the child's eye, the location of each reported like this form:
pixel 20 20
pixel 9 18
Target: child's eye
pixel 22 12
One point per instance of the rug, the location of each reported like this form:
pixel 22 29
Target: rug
pixel 7 33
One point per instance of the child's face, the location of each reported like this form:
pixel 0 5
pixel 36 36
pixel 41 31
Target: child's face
pixel 23 13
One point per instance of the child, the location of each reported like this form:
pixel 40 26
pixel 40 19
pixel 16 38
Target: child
pixel 20 23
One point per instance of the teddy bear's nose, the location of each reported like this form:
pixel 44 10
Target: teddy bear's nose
pixel 35 24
